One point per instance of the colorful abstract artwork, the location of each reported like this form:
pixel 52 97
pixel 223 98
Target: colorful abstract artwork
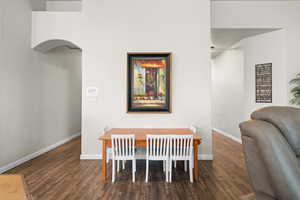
pixel 149 82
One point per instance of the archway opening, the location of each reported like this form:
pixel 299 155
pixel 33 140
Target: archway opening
pixel 48 45
pixel 61 85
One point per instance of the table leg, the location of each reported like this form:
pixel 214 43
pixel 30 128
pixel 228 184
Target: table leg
pixel 104 167
pixel 196 163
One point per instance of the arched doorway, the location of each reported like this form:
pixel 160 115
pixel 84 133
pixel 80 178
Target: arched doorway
pixel 61 85
pixel 54 43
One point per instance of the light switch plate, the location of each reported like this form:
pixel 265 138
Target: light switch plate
pixel 92 92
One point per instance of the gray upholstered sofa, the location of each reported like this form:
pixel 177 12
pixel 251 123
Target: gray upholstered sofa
pixel 271 143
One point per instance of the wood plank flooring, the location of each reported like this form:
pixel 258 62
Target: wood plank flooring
pixel 61 175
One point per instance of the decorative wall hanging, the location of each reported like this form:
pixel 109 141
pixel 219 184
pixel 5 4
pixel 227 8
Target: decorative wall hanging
pixel 263 79
pixel 149 82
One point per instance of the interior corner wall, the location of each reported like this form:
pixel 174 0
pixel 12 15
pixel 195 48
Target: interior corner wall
pixel 118 27
pixel 228 84
pixel 264 14
pixel 265 48
pixel 36 106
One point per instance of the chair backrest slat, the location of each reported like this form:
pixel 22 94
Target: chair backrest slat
pixel 161 147
pixel 177 145
pixel 150 146
pixel 164 146
pixel 155 147
pixel 130 149
pixel 119 147
pixel 184 147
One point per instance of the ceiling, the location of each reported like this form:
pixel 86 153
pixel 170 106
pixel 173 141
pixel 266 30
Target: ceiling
pixel 255 0
pixel 223 39
pixel 62 0
pixel 211 0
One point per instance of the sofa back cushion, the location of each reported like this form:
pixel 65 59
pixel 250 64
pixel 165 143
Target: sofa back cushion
pixel 286 119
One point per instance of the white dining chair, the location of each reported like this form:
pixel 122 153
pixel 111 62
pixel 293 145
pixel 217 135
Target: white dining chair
pixel 194 130
pixel 181 149
pixel 157 149
pixel 123 148
pixel 108 152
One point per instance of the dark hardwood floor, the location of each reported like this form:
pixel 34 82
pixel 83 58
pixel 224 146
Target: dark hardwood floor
pixel 60 174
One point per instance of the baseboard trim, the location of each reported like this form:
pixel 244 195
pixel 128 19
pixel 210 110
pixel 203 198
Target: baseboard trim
pixel 99 157
pixel 36 154
pixel 90 157
pixel 228 135
pixel 205 156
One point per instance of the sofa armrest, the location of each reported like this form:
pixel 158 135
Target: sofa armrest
pixel 279 160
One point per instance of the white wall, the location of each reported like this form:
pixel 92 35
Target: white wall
pixel 37 107
pixel 228 88
pixel 38 5
pixel 19 80
pixel 265 48
pixel 63 6
pixel 233 78
pixel 264 14
pixel 181 27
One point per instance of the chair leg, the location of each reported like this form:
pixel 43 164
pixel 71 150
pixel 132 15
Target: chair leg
pixel 118 165
pixel 170 171
pixel 123 164
pixel 133 170
pixel 175 164
pixel 185 165
pixel 147 170
pixel 164 165
pixel 191 171
pixel 113 170
pixel 193 160
pixel 107 155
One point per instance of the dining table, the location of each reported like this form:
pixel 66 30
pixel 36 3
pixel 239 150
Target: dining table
pixel 141 139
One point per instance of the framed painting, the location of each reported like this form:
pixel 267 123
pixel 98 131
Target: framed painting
pixel 263 82
pixel 149 82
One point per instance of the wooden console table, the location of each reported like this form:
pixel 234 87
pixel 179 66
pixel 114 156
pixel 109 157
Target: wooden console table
pixel 140 136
